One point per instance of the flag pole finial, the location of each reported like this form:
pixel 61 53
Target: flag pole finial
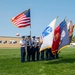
pixel 65 17
pixel 57 16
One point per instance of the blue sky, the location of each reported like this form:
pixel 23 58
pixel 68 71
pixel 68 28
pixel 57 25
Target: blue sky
pixel 42 13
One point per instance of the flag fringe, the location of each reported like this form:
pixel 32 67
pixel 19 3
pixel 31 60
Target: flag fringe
pixel 62 48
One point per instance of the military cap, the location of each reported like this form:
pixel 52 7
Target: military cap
pixel 23 36
pixel 33 37
pixel 38 37
pixel 28 36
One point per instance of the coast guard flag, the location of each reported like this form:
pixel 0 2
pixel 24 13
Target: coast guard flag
pixel 47 35
pixel 64 39
pixel 22 20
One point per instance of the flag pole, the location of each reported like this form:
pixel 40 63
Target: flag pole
pixel 30 20
pixel 30 29
pixel 30 25
pixel 65 17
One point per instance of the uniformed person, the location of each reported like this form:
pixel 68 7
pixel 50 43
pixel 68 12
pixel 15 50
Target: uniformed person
pixel 33 48
pixel 56 55
pixel 38 48
pixel 51 55
pixel 42 55
pixel 47 54
pixel 29 48
pixel 23 46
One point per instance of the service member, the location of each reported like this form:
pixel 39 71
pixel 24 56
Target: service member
pixel 29 48
pixel 38 48
pixel 23 45
pixel 33 47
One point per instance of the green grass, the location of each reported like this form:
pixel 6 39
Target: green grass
pixel 10 64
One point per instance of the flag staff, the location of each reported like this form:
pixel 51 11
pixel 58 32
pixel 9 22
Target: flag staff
pixel 30 20
pixel 65 17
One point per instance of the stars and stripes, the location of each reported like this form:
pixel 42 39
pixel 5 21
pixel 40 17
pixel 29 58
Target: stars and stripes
pixel 22 20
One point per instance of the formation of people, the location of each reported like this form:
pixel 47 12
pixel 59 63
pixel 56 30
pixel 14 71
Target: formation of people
pixel 30 50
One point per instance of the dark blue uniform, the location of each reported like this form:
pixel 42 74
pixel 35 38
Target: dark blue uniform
pixel 29 50
pixel 56 55
pixel 47 54
pixel 37 51
pixel 51 55
pixel 33 48
pixel 23 52
pixel 42 55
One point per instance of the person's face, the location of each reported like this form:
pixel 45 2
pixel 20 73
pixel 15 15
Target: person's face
pixel 23 38
pixel 29 38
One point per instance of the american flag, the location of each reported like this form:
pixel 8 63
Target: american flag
pixel 22 20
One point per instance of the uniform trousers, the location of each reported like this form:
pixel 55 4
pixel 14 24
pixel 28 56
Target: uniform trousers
pixel 37 53
pixel 47 54
pixel 51 55
pixel 33 53
pixel 29 53
pixel 23 53
pixel 42 55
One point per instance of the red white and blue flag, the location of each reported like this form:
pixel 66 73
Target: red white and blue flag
pixel 22 20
